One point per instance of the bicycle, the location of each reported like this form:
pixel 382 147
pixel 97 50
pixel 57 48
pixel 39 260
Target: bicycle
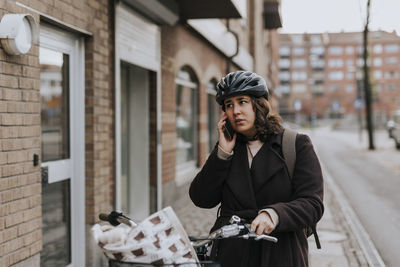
pixel 237 228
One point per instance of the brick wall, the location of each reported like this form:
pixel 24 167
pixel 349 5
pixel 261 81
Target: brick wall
pixel 180 47
pixel 20 181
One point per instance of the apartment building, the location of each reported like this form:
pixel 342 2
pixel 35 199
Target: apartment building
pixel 321 74
pixel 111 106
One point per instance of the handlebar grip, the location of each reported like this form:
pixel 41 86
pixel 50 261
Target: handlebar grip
pixel 267 237
pixel 103 217
pixel 114 218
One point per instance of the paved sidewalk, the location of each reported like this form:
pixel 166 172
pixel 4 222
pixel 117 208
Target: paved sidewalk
pixel 339 245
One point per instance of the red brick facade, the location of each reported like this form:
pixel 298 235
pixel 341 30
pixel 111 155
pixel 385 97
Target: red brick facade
pixel 332 88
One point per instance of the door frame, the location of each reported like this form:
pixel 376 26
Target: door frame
pixel 126 55
pixel 73 168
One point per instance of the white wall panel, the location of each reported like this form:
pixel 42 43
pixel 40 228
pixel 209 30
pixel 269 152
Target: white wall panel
pixel 138 41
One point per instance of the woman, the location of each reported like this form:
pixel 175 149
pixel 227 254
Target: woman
pixel 247 175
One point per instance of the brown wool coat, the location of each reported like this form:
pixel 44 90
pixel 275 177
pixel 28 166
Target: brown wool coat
pixel 243 191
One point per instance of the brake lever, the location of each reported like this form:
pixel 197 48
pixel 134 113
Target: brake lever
pixel 252 234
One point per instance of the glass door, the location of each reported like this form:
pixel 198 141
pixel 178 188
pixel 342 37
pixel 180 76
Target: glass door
pixel 135 141
pixel 62 129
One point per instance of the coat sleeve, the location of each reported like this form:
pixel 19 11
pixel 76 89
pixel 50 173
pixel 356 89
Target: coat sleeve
pixel 306 207
pixel 206 188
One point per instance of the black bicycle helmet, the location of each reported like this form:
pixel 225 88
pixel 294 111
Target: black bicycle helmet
pixel 241 82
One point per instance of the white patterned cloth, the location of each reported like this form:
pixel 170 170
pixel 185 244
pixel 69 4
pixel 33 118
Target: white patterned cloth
pixel 159 239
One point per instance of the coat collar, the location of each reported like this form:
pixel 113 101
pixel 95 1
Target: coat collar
pixel 275 139
pixel 245 183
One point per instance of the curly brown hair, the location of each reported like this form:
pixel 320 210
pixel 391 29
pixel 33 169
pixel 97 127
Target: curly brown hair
pixel 266 122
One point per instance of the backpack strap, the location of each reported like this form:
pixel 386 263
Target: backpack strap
pixel 289 149
pixel 289 155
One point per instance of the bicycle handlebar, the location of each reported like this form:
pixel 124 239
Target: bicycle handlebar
pixel 236 229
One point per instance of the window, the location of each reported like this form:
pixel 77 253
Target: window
pixel 316 39
pixel 391 48
pixel 299 75
pixel 317 50
pixel 349 50
pixel 360 62
pixel 349 62
pixel 317 64
pixel 377 61
pixel 336 75
pixel 318 75
pixel 284 63
pixel 349 88
pixel 284 76
pixel 334 87
pixel 213 114
pixel 349 75
pixel 284 51
pixel 297 39
pixel 299 63
pixel 335 63
pixel 299 88
pixel 378 49
pixel 284 89
pixel 297 105
pixel 377 74
pixel 298 51
pixel 335 50
pixel 391 74
pixel 391 60
pixel 318 89
pixel 186 116
pixel 391 87
pixel 336 106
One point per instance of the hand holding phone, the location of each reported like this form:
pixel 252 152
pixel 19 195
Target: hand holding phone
pixel 226 133
pixel 228 130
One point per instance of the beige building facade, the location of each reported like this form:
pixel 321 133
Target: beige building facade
pixel 113 108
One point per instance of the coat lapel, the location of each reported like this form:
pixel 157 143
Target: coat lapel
pixel 267 162
pixel 239 178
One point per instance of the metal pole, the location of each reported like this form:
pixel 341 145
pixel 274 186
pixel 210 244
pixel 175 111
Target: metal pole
pixel 367 86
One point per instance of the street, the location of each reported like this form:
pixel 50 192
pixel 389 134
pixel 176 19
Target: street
pixel 369 180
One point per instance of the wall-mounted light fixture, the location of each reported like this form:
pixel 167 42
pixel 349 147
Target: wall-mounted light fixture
pixel 18 32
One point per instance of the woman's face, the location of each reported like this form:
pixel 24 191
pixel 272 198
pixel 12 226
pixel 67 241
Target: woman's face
pixel 241 115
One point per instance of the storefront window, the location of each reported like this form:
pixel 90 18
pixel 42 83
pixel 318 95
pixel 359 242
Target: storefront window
pixel 186 117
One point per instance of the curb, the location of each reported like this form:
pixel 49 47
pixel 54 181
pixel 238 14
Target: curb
pixel 370 252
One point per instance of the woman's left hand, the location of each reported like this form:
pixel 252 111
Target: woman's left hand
pixel 262 224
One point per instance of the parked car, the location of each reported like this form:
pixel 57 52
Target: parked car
pixel 393 127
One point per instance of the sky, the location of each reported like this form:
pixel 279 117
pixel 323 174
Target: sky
pixel 312 16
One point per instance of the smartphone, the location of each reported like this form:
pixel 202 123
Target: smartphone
pixel 228 130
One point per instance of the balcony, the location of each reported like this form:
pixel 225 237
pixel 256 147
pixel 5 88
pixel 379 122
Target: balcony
pixel 317 90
